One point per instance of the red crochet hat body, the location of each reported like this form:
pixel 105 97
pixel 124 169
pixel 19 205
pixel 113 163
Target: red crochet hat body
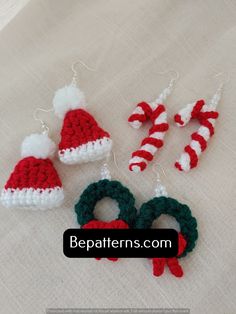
pixel 31 172
pixel 82 139
pixel 34 181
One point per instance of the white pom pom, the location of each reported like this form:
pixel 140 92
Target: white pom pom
pixel 66 99
pixel 38 146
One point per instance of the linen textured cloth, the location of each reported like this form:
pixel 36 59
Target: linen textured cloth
pixel 128 42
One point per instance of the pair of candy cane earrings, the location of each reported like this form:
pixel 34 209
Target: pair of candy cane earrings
pixel 155 111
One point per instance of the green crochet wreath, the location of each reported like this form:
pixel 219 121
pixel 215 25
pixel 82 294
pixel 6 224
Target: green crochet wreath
pixel 106 188
pixel 154 208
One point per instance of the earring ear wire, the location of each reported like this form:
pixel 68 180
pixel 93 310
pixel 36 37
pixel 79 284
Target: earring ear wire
pixel 105 172
pixel 225 81
pixel 167 91
pixel 174 77
pixel 160 190
pixel 75 72
pixel 44 126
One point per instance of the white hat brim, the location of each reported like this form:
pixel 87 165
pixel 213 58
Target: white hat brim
pixel 32 198
pixel 91 151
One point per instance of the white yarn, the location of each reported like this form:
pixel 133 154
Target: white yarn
pixel 215 100
pixel 160 190
pixel 184 161
pixel 32 198
pixel 136 124
pixel 186 114
pixel 91 151
pixel 38 145
pixel 163 96
pixel 105 172
pixel 68 98
pixel 134 162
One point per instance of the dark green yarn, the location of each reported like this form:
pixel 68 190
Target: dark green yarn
pixel 157 206
pixel 106 188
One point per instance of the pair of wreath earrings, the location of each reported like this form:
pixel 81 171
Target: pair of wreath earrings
pixel 161 204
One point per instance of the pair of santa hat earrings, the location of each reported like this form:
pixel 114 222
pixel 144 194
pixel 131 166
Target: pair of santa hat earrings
pixel 35 182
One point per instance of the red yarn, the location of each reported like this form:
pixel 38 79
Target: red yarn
pixel 146 108
pixel 207 115
pixel 151 143
pixel 178 166
pixel 141 117
pixel 79 128
pixel 163 127
pixel 178 119
pixel 193 156
pixel 36 173
pixel 208 125
pixel 144 154
pixel 204 116
pixel 197 137
pixel 141 165
pixel 172 263
pixel 197 108
pixel 114 224
pixel 157 112
pixel 99 224
pixel 204 119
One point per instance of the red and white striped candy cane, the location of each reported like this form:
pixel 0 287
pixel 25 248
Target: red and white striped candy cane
pixel 155 112
pixel 206 114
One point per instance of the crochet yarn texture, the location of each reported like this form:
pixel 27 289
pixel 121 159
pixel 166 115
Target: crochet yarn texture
pixel 188 235
pixel 156 113
pixel 82 139
pixel 34 181
pixel 97 191
pixel 206 115
pixel 94 193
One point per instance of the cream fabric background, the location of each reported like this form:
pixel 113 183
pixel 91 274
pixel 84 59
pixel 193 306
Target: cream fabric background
pixel 129 42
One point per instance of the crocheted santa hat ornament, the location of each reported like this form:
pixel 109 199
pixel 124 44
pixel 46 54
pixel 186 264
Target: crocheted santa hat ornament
pixel 82 139
pixel 34 181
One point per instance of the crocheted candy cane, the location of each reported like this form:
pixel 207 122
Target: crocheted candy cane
pixel 155 112
pixel 206 115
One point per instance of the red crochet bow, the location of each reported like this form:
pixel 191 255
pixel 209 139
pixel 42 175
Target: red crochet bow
pixel 172 263
pixel 114 224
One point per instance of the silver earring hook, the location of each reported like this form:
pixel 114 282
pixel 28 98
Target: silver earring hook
pixel 167 91
pixel 218 94
pixel 45 128
pixel 105 172
pixel 75 73
pixel 160 189
pixel 115 160
pixel 223 82
pixel 155 170
pixel 173 78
